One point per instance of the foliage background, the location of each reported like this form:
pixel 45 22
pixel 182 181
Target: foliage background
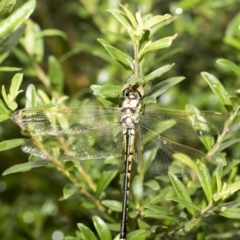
pixel 205 30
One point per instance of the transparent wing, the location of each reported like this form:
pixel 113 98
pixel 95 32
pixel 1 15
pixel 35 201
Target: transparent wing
pixel 57 121
pixel 187 125
pixel 161 156
pixel 91 144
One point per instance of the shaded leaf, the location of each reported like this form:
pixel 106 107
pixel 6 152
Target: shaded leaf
pixel 55 74
pixel 182 193
pixel 137 189
pixel 158 72
pixel 104 181
pixel 161 88
pixel 125 60
pixel 157 212
pixel 187 204
pixel 107 90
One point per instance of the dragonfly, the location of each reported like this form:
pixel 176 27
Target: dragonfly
pixel 76 134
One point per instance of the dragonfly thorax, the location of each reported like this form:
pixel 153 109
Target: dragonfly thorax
pixel 131 105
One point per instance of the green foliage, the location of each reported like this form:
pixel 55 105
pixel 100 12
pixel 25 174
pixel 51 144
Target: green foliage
pixel 55 70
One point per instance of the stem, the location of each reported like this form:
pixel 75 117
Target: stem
pixel 136 63
pixel 224 133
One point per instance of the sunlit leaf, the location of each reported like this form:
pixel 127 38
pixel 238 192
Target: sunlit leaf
pixel 16 19
pixel 87 233
pixel 229 65
pixel 24 167
pixel 218 89
pixel 155 20
pixel 113 205
pixel 102 228
pixel 137 235
pixel 69 190
pixel 205 180
pixel 8 144
pixel 31 97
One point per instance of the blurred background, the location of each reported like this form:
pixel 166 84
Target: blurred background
pixel 206 31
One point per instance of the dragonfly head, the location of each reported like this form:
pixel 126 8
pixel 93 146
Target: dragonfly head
pixel 132 91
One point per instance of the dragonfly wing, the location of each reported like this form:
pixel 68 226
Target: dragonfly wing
pixel 162 156
pixel 57 121
pixel 89 144
pixel 187 125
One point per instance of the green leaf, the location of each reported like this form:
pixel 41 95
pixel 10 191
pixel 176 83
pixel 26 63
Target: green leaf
pixel 182 193
pixel 157 212
pixel 24 167
pixel 55 74
pixel 13 92
pixel 218 89
pixel 102 228
pixel 229 64
pixel 158 72
pixel 104 181
pixel 200 124
pixel 86 232
pixel 161 88
pixel 52 32
pixel 140 234
pixel 130 16
pixel 9 144
pixel 113 205
pixel 159 44
pixel 16 19
pixel 3 109
pixel 10 69
pixel 159 128
pixel 125 60
pixel 205 180
pixel 185 203
pixel 69 190
pixel 119 15
pixel 231 213
pixel 6 7
pixel 15 84
pixel 155 20
pixel 137 189
pixel 107 90
pixel 234 187
pixel 31 97
pixel 232 41
pixel 153 184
